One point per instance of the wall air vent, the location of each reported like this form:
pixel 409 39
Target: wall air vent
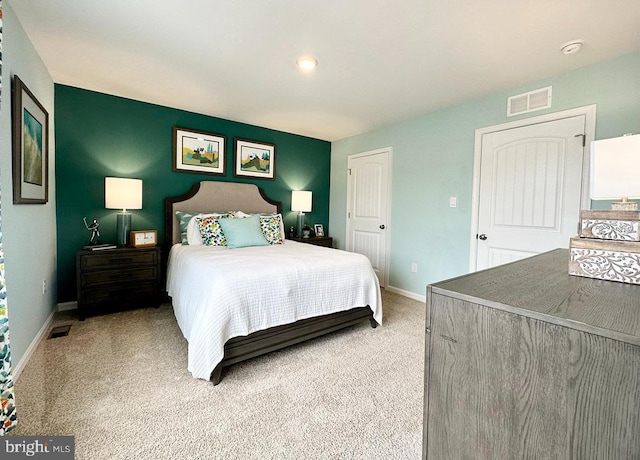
pixel 529 102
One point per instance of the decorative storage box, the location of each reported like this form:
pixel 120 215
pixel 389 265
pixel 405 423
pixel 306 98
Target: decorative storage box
pixel 605 259
pixel 610 225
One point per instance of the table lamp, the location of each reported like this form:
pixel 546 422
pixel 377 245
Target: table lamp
pixel 300 202
pixel 123 194
pixel 615 171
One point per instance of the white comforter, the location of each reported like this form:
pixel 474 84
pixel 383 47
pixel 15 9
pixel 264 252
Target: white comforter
pixel 220 293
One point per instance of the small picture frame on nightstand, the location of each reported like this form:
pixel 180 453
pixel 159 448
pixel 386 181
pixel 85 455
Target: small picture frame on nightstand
pixel 318 229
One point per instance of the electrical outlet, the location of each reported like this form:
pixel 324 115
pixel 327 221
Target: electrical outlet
pixel 414 267
pixel 44 286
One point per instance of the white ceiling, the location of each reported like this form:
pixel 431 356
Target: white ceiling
pixel 380 61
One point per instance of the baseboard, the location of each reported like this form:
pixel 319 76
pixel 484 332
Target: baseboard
pixel 42 333
pixel 411 295
pixel 66 306
pixel 18 368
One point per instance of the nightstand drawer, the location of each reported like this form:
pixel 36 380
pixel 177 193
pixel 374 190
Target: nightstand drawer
pixel 123 275
pixel 113 259
pixel 121 294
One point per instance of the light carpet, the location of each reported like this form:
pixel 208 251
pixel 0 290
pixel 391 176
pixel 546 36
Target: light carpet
pixel 119 383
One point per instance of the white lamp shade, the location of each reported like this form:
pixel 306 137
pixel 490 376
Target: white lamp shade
pixel 121 193
pixel 615 168
pixel 301 201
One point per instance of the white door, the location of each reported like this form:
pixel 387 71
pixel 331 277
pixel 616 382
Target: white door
pixel 367 208
pixel 530 190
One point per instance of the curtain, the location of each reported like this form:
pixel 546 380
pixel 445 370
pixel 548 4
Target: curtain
pixel 8 418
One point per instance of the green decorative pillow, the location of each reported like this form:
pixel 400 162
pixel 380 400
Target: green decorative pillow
pixel 240 233
pixel 183 219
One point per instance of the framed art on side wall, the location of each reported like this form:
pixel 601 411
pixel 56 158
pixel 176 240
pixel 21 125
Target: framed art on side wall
pixel 254 159
pixel 198 151
pixel 30 126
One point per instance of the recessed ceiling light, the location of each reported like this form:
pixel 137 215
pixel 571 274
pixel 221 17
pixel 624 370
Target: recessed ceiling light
pixel 307 63
pixel 572 47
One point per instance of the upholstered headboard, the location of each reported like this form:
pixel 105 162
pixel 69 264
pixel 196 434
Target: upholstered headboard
pixel 213 196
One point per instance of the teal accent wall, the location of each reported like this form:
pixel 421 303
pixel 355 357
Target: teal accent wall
pixel 98 135
pixel 433 160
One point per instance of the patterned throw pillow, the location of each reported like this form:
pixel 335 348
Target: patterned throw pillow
pixel 211 231
pixel 194 238
pixel 271 226
pixel 183 220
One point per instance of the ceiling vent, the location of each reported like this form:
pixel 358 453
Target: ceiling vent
pixel 529 102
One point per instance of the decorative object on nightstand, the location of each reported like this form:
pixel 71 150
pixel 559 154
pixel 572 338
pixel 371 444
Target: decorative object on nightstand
pixel 117 278
pixel 143 238
pixel 318 229
pixel 99 247
pixel 301 203
pixel 94 228
pixel 122 193
pixel 608 246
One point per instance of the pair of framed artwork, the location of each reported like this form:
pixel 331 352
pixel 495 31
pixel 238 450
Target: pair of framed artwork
pixel 202 152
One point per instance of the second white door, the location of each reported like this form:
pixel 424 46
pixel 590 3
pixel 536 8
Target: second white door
pixel 367 208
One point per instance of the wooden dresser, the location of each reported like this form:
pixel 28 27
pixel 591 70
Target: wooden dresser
pixel 112 279
pixel 527 361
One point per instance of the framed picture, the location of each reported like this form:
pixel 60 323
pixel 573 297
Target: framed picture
pixel 318 229
pixel 198 151
pixel 30 126
pixel 254 159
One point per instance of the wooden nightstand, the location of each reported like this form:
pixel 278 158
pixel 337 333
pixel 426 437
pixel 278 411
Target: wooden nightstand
pixel 112 279
pixel 325 241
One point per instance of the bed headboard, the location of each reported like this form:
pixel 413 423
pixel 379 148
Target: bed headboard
pixel 213 196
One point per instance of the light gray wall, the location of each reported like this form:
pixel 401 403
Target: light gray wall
pixel 28 231
pixel 433 160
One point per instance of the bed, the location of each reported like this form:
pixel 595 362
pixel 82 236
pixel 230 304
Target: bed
pixel 233 304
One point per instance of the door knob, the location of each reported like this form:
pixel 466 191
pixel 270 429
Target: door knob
pixel 382 227
pixel 482 236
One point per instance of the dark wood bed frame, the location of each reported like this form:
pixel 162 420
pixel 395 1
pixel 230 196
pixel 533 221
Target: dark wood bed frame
pixel 228 196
